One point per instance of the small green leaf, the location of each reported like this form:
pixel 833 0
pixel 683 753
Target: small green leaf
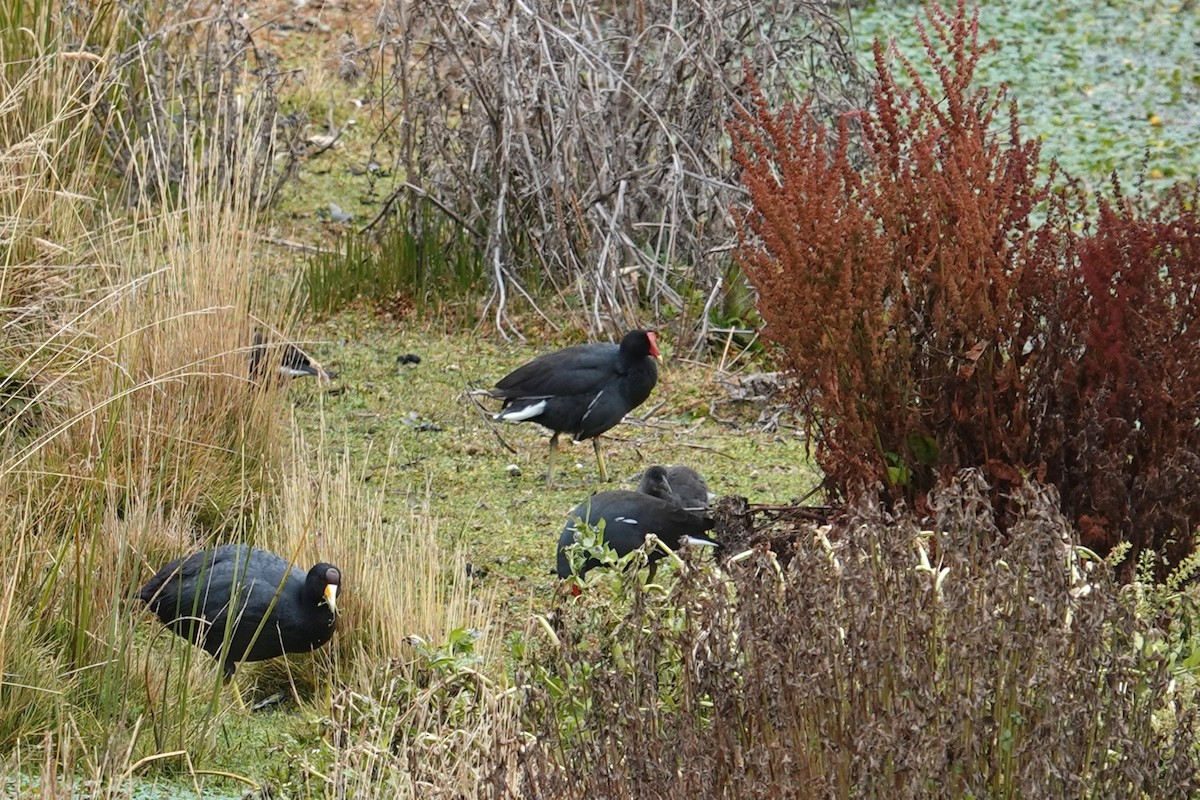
pixel 924 449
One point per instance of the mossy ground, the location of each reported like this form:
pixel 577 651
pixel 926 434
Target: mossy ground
pixel 415 431
pixel 418 429
pixel 384 414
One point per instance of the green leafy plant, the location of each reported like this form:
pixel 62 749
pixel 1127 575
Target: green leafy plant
pixel 1118 73
pixel 454 657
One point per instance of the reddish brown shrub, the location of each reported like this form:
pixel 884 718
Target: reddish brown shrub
pixel 933 324
pixel 1118 387
pixel 889 284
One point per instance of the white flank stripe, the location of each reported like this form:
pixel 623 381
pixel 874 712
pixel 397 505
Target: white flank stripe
pixel 626 520
pixel 697 541
pixel 591 405
pixel 292 372
pixel 520 415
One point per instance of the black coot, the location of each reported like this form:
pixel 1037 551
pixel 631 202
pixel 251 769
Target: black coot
pixel 583 390
pixel 682 486
pixel 193 597
pixel 628 518
pixel 293 362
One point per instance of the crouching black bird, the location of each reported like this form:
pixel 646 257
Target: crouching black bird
pixel 293 362
pixel 583 390
pixel 241 603
pixel 629 517
pixel 682 486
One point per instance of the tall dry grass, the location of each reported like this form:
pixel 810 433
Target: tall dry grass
pixel 131 427
pixel 401 581
pixel 408 715
pixel 48 211
pixel 131 434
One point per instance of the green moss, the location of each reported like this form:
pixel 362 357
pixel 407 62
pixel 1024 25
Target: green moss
pixel 418 426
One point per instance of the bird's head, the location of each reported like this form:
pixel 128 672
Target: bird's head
pixel 324 580
pixel 639 344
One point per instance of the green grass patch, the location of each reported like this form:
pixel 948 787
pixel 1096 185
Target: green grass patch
pixel 415 428
pixel 421 261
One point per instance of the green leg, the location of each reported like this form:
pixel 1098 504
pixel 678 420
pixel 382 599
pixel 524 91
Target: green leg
pixel 232 683
pixel 550 465
pixel 237 696
pixel 600 459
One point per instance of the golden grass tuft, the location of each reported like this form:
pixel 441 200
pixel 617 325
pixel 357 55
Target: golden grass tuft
pixel 399 581
pixel 132 434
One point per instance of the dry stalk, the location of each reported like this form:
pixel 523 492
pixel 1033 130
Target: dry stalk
pixel 588 140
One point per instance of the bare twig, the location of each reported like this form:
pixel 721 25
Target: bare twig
pixel 576 140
